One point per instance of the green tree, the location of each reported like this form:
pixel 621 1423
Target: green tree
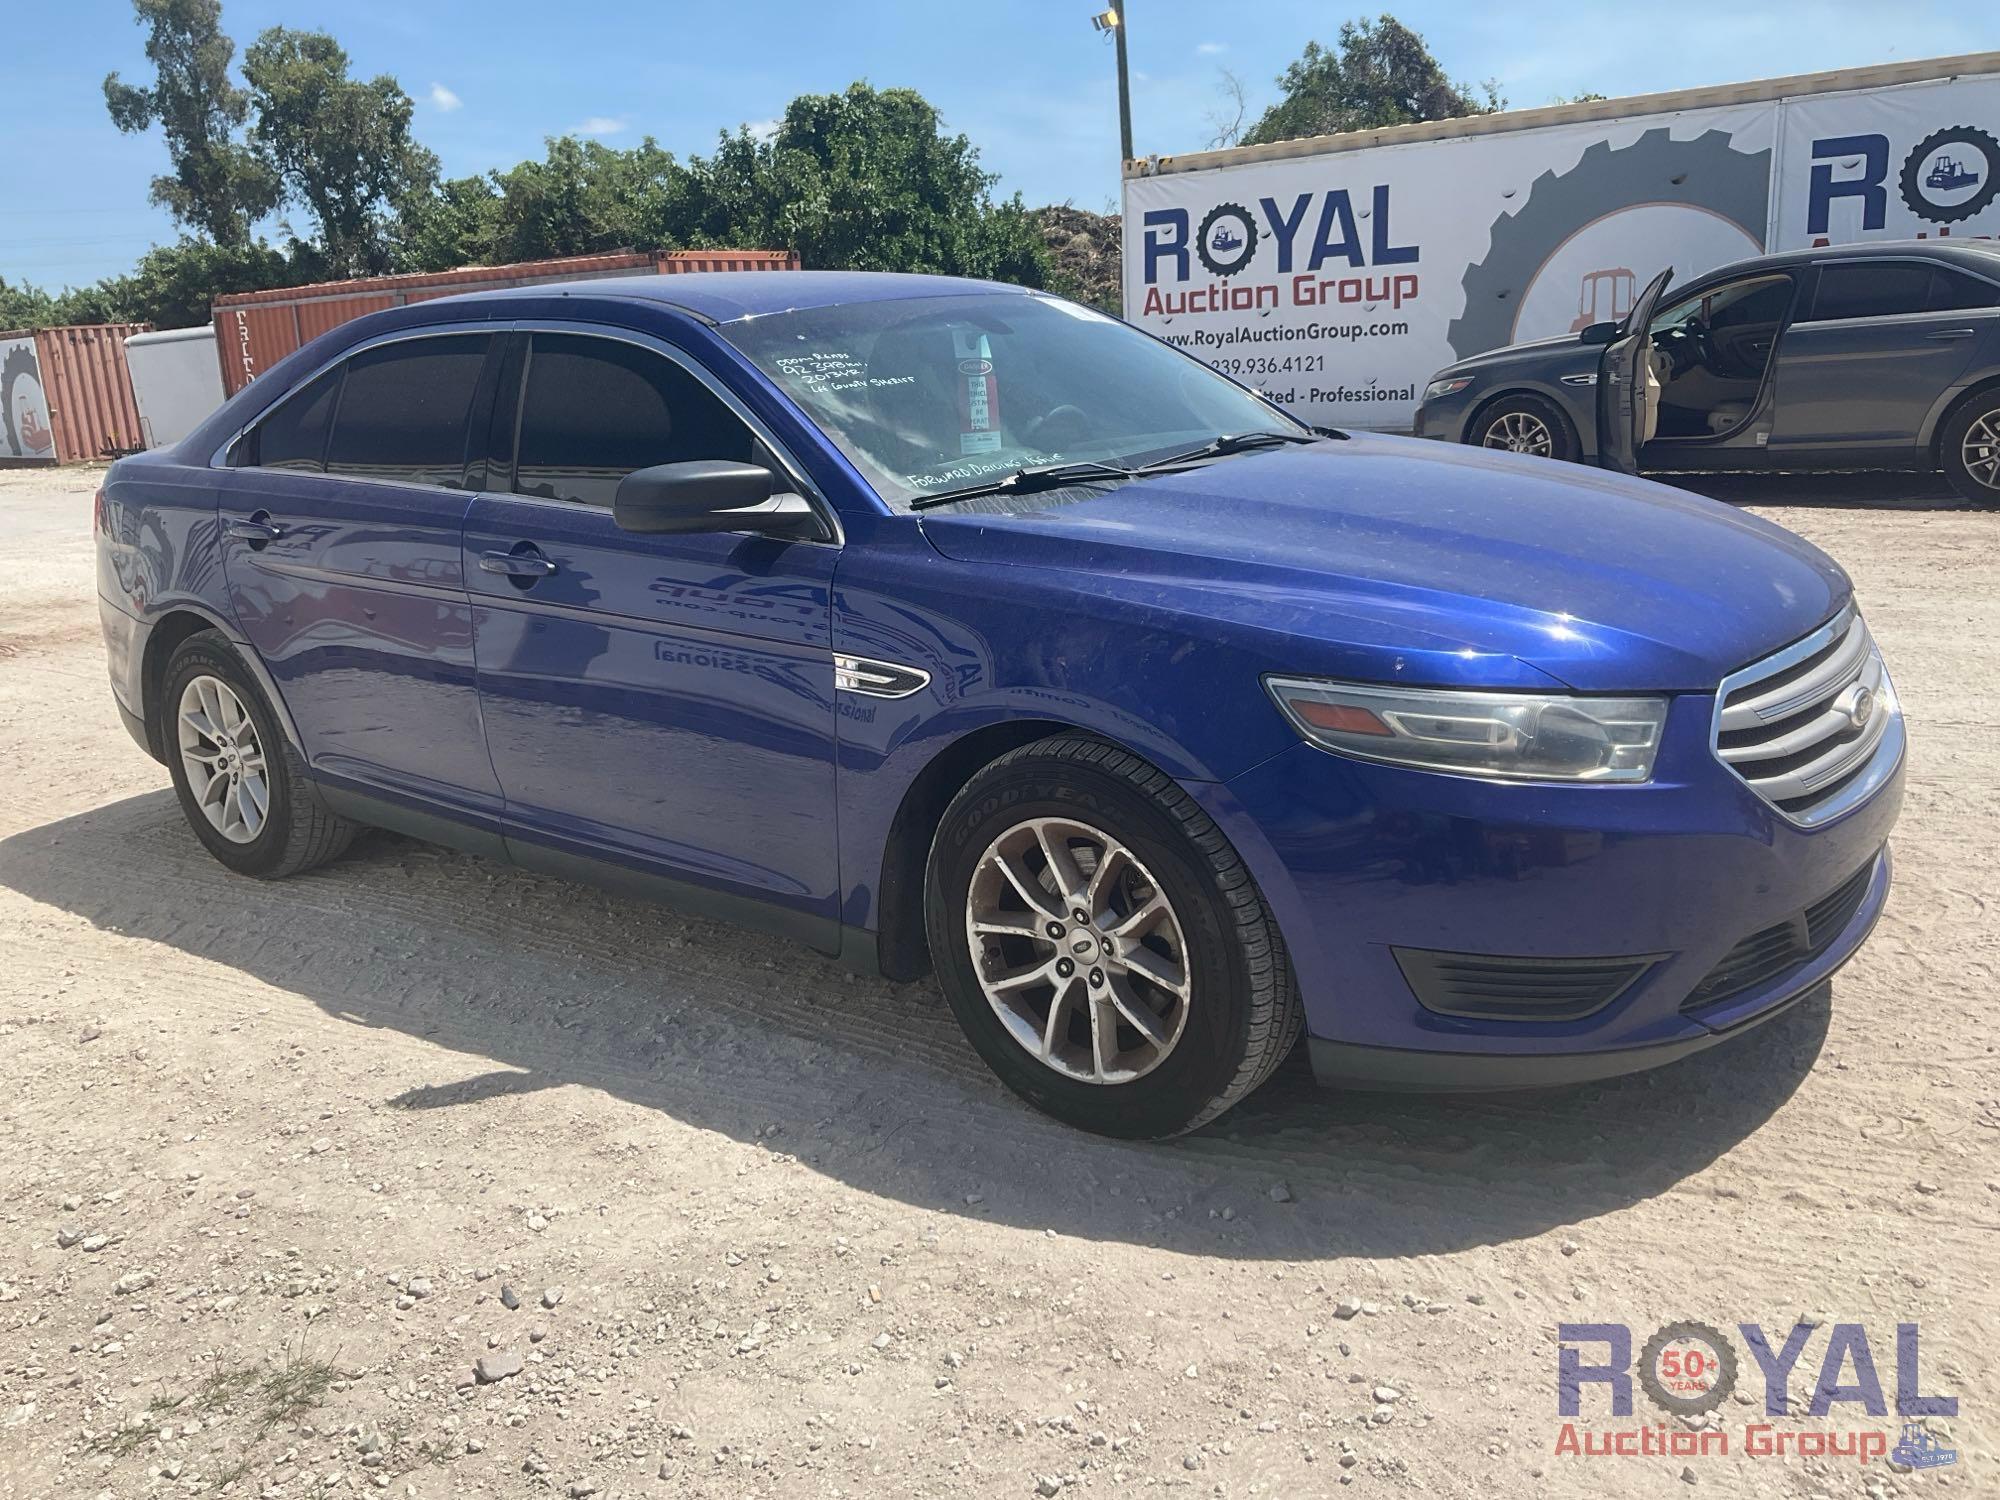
pixel 24 307
pixel 868 180
pixel 454 224
pixel 585 197
pixel 1379 73
pixel 341 146
pixel 218 187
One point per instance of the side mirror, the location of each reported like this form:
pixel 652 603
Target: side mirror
pixel 712 495
pixel 1599 333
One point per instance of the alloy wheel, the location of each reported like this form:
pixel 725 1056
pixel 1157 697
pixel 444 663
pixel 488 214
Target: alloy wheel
pixel 1078 950
pixel 223 759
pixel 1980 450
pixel 1520 432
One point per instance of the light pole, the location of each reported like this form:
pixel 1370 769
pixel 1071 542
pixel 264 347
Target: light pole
pixel 1113 21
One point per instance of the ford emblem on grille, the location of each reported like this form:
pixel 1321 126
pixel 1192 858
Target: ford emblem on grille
pixel 1858 703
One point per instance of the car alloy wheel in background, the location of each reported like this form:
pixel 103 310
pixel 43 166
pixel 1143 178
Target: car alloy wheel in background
pixel 1969 447
pixel 1519 431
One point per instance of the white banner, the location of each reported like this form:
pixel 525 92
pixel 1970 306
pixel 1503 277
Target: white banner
pixel 24 408
pixel 1340 283
pixel 1914 162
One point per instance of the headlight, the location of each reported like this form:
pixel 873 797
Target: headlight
pixel 1448 387
pixel 1529 736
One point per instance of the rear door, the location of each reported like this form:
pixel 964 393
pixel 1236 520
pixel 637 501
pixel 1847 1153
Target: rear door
pixel 661 701
pixel 342 518
pixel 1628 389
pixel 1860 370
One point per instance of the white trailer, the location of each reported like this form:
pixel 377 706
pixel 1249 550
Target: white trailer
pixel 1337 272
pixel 175 380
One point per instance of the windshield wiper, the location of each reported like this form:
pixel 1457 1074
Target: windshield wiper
pixel 1035 477
pixel 1026 481
pixel 1229 442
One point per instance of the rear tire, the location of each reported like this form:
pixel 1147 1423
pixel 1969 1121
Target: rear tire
pixel 243 788
pixel 1969 447
pixel 1524 424
pixel 1206 972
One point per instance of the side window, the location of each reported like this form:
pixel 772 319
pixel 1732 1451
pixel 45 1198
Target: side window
pixel 1954 291
pixel 594 409
pixel 294 436
pixel 403 410
pixel 1871 289
pixel 1750 304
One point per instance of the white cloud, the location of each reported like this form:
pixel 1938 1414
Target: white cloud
pixel 603 125
pixel 1210 49
pixel 444 100
pixel 763 130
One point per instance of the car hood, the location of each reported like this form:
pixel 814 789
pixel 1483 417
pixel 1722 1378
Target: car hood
pixel 1404 560
pixel 1564 349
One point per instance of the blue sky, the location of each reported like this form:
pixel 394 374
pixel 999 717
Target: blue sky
pixel 1030 83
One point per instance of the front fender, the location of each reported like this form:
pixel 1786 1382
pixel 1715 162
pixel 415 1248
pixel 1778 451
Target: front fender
pixel 1037 654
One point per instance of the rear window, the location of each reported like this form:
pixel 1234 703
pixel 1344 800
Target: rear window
pixel 403 410
pixel 294 436
pixel 1887 289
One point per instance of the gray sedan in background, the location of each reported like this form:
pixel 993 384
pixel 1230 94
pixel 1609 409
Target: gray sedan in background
pixel 1882 355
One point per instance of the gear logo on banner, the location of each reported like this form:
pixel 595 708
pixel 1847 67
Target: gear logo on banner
pixel 1227 239
pixel 1583 241
pixel 1952 174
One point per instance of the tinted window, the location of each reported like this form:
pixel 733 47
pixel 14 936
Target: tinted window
pixel 593 410
pixel 403 410
pixel 1883 289
pixel 294 436
pixel 1952 291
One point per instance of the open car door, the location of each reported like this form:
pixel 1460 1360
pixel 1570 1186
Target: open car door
pixel 1628 384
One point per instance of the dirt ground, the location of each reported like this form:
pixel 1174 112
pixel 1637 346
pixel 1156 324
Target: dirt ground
pixel 275 1160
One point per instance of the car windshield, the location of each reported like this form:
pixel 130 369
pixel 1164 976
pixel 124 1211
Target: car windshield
pixel 936 394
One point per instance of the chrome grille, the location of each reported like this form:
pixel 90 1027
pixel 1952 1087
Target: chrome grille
pixel 1815 728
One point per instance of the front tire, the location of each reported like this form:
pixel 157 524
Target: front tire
pixel 1524 424
pixel 242 787
pixel 1970 449
pixel 1102 945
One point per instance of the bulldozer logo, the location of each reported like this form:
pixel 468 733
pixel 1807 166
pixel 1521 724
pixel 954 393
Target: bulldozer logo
pixel 1952 174
pixel 1227 239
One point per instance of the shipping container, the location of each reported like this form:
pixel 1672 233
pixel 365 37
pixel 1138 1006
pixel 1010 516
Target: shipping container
pixel 175 380
pixel 66 396
pixel 254 330
pixel 1338 273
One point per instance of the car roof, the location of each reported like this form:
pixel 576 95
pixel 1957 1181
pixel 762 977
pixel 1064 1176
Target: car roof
pixel 726 296
pixel 1981 255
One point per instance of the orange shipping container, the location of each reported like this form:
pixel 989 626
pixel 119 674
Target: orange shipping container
pixel 254 330
pixel 68 394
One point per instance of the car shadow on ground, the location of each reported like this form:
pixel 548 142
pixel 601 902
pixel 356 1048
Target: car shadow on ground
pixel 538 984
pixel 1854 490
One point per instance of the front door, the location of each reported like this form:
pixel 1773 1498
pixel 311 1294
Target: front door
pixel 663 702
pixel 1882 341
pixel 342 519
pixel 1628 390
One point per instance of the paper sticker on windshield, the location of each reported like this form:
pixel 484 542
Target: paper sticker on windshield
pixel 978 393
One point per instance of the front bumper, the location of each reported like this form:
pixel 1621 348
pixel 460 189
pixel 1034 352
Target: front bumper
pixel 1359 861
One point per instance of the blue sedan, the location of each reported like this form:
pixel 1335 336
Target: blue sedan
pixel 951 627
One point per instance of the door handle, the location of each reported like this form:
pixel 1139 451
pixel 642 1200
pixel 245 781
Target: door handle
pixel 516 564
pixel 1952 333
pixel 257 530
